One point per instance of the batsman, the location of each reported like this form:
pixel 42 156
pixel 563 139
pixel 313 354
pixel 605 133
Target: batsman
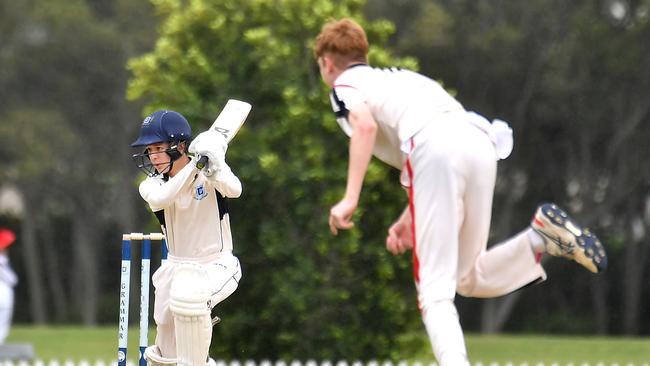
pixel 190 204
pixel 448 158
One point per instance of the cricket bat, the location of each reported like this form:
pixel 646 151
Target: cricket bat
pixel 228 122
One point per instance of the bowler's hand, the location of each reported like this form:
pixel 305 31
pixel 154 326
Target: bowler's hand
pixel 341 216
pixel 399 238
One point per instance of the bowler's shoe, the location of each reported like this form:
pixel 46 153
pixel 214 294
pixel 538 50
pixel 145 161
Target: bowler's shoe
pixel 565 238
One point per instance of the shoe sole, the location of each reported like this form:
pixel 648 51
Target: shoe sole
pixel 589 251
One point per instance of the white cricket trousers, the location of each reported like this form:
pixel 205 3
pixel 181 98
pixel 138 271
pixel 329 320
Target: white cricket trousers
pixel 6 309
pixel 224 273
pixel 452 171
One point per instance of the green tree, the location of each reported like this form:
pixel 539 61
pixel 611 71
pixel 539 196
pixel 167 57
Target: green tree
pixel 63 111
pixel 304 292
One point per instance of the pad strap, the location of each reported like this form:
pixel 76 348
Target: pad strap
pixel 153 357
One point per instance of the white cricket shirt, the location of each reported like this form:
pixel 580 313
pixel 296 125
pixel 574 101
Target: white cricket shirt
pixel 196 220
pixel 7 275
pixel 402 102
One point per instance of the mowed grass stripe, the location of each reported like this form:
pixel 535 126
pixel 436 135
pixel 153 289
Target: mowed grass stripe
pixel 100 343
pixel 561 349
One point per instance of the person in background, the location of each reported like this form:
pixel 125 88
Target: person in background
pixel 8 280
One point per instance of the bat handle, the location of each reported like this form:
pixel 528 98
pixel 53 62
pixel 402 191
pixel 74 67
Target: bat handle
pixel 202 163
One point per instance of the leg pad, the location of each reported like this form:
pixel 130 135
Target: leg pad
pixel 190 294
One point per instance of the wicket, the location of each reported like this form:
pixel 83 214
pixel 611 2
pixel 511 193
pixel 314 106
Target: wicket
pixel 125 284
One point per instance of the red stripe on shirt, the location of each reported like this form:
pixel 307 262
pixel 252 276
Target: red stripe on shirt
pixel 344 86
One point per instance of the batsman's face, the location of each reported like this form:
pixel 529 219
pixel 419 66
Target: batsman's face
pixel 158 156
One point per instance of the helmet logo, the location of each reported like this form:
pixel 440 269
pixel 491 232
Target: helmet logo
pixel 147 120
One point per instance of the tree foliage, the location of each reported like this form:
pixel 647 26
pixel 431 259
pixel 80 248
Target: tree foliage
pixel 62 109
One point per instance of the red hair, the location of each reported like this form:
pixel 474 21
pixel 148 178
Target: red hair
pixel 344 41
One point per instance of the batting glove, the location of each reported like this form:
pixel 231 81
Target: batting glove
pixel 211 144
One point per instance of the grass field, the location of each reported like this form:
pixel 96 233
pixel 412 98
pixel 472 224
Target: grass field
pixel 100 343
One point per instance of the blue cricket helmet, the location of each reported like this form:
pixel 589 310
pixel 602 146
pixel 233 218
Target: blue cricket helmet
pixel 163 126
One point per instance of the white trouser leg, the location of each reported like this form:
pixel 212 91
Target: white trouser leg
pixel 446 336
pixel 224 275
pixel 503 268
pixel 6 310
pixel 441 164
pixel 454 173
pixel 438 170
pixel 166 339
pixel 162 315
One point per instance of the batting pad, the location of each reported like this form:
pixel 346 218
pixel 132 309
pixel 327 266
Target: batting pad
pixel 153 357
pixel 190 291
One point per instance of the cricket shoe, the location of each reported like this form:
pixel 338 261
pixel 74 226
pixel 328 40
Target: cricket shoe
pixel 565 238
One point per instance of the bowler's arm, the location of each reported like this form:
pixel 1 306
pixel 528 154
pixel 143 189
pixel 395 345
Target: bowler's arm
pixel 362 141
